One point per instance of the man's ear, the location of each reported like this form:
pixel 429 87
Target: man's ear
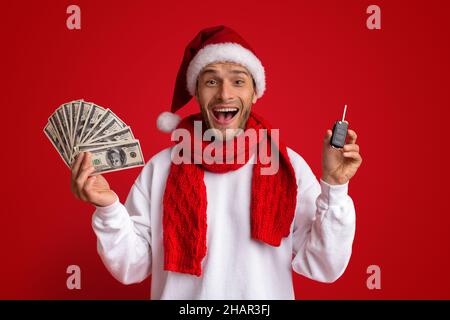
pixel 254 91
pixel 254 97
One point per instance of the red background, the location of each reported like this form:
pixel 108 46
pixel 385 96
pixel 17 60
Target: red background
pixel 318 56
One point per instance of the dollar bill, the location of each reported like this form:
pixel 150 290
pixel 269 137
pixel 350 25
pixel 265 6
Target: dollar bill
pixel 64 121
pixel 122 135
pixel 115 157
pixel 83 113
pixel 67 112
pixel 52 135
pixel 105 119
pixel 93 145
pixel 94 115
pixel 114 137
pixel 59 128
pixel 75 107
pixel 61 123
pixel 112 126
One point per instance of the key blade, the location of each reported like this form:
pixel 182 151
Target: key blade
pixel 343 116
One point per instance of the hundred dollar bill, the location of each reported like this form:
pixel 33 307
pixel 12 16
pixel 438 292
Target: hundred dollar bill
pixel 52 135
pixel 98 124
pixel 85 108
pixel 58 126
pixel 115 136
pixel 89 146
pixel 112 126
pixel 105 119
pixel 94 115
pixel 115 157
pixel 62 122
pixel 75 109
pixel 67 112
pixel 122 135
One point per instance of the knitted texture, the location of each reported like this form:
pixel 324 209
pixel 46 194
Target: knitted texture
pixel 273 197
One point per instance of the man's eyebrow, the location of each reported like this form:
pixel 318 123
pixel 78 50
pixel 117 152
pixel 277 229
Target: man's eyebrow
pixel 240 71
pixel 235 71
pixel 208 71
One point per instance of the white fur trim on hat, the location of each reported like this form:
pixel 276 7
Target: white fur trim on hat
pixel 227 51
pixel 167 121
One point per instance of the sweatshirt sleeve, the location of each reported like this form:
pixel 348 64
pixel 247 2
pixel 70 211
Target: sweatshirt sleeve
pixel 124 236
pixel 324 229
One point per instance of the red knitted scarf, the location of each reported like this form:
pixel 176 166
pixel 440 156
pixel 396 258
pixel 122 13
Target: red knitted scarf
pixel 273 198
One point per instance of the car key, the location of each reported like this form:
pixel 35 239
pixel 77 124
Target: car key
pixel 339 132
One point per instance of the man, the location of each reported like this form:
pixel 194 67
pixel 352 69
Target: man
pixel 225 230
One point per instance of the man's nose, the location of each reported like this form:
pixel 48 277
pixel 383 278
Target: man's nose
pixel 225 91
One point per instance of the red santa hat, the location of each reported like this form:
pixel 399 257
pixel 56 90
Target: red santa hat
pixel 215 44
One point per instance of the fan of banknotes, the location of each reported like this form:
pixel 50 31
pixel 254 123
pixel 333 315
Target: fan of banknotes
pixel 79 126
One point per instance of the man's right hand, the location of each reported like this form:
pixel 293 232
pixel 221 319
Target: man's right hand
pixel 95 189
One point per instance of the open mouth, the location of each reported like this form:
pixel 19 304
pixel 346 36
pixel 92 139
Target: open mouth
pixel 224 115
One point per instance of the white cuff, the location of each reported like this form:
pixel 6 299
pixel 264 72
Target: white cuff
pixel 333 194
pixel 109 209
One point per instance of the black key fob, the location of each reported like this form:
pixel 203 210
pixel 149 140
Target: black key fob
pixel 339 134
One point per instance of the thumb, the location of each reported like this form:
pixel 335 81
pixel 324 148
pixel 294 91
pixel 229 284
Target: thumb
pixel 327 137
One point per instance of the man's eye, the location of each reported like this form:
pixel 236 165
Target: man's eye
pixel 211 82
pixel 239 82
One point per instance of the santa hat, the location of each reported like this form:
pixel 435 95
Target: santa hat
pixel 215 44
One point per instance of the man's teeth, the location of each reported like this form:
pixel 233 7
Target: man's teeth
pixel 226 109
pixel 225 113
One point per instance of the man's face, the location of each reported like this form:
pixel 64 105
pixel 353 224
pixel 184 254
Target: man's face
pixel 225 93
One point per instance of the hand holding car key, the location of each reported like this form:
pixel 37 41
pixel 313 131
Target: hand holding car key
pixel 340 158
pixel 339 132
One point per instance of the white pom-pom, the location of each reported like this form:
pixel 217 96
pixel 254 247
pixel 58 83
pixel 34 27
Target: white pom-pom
pixel 167 121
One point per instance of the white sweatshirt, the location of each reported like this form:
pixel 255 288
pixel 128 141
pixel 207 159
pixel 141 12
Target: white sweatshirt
pixel 130 237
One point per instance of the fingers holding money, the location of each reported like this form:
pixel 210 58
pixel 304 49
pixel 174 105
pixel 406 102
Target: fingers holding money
pixel 74 173
pixel 86 192
pixel 85 171
pixel 90 138
pixel 76 165
pixel 82 168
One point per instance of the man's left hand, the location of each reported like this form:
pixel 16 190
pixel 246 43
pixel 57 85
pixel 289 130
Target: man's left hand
pixel 340 165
